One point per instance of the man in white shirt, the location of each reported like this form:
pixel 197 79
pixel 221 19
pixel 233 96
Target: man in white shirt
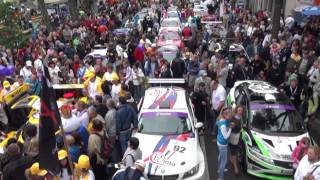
pixel 26 70
pixel 38 63
pixel 69 121
pixel 218 98
pixel 309 166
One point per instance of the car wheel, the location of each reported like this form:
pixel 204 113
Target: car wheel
pixel 242 156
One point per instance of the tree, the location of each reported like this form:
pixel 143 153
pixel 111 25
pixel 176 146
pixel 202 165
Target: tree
pixel 11 29
pixel 45 16
pixel 276 13
pixel 87 5
pixel 73 8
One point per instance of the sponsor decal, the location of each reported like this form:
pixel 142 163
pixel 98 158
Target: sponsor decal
pixel 170 96
pixel 256 106
pixel 161 156
pixel 161 159
pixel 175 114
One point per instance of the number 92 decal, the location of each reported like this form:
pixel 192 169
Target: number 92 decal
pixel 178 148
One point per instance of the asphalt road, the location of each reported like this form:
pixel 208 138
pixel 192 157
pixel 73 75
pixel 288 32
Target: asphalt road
pixel 212 161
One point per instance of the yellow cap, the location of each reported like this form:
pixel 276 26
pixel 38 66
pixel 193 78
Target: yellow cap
pixel 62 154
pixel 114 77
pixel 83 162
pixel 6 84
pixel 35 170
pixel 89 74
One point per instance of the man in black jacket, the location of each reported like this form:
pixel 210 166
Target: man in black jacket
pixel 200 101
pixel 293 91
pixel 17 165
pixel 240 70
pixel 178 68
pixel 274 75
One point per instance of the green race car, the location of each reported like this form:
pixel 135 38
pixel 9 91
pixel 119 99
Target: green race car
pixel 272 128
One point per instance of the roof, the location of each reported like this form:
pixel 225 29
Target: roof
pixel 236 47
pixel 98 52
pixel 260 87
pixel 169 98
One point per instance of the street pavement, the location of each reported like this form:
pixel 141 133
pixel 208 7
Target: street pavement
pixel 212 162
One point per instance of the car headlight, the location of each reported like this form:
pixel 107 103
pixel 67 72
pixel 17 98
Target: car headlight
pixel 255 151
pixel 191 172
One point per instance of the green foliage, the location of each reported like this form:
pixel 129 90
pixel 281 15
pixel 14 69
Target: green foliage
pixel 11 31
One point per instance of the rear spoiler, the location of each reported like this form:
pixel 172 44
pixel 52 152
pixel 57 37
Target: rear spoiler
pixel 211 22
pixel 68 86
pixel 166 81
pixel 16 94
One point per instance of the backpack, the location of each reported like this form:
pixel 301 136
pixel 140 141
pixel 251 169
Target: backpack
pixel 106 148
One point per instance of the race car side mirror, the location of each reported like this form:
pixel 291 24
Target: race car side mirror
pixel 199 125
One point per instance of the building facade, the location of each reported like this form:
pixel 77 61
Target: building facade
pixel 288 5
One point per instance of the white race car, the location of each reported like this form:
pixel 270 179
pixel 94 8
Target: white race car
pixel 99 52
pixel 200 10
pixel 272 129
pixel 168 134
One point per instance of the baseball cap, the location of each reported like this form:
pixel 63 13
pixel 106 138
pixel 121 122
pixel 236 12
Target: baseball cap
pixel 35 170
pixel 6 84
pixel 29 63
pixel 202 73
pixel 293 77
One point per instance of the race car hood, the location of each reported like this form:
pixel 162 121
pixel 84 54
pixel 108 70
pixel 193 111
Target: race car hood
pixel 277 147
pixel 168 155
pixel 177 28
pixel 169 42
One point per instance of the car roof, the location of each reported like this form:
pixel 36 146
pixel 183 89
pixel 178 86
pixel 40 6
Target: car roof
pixel 199 6
pixel 262 91
pixel 236 47
pixel 258 87
pixel 172 8
pixel 171 19
pixel 165 98
pixel 165 30
pixel 98 52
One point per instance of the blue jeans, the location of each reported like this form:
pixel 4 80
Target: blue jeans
pixel 123 139
pixel 222 160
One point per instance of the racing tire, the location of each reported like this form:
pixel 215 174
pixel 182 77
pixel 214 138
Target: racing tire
pixel 242 156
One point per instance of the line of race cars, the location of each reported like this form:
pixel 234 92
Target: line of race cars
pixel 168 129
pixel 169 132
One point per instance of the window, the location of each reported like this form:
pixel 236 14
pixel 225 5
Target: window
pixel 164 123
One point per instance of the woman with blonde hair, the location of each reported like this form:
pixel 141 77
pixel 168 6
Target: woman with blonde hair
pixel 224 130
pixel 235 136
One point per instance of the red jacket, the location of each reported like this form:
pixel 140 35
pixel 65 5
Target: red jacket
pixel 186 32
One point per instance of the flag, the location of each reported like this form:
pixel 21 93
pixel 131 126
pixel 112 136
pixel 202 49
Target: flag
pixel 48 125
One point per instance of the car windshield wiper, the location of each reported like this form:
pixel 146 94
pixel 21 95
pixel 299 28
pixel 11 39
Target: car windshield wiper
pixel 284 119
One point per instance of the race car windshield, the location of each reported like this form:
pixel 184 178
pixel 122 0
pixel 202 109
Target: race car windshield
pixel 275 118
pixel 164 123
pixel 169 24
pixel 173 15
pixel 169 36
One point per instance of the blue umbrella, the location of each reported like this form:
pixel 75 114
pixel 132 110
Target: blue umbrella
pixel 311 11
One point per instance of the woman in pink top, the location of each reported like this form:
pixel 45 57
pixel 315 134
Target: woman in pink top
pixel 300 151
